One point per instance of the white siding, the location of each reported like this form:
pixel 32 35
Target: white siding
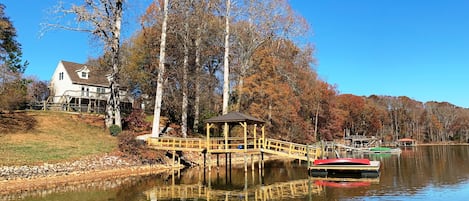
pixel 59 86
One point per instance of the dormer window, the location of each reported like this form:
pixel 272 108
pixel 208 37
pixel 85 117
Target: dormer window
pixel 83 72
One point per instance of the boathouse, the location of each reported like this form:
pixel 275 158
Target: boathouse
pixel 406 142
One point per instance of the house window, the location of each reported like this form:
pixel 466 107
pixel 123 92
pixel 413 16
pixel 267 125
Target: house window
pixel 84 75
pixel 87 91
pixel 83 91
pixel 100 90
pixel 61 76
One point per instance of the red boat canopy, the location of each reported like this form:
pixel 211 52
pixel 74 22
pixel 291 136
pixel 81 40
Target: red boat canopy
pixel 342 161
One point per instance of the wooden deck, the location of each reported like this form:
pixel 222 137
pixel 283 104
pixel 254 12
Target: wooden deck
pixel 237 145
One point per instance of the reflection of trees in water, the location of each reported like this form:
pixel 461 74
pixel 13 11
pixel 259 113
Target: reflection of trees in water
pixel 406 174
pixel 424 165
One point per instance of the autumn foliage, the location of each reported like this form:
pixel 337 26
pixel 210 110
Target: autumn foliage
pixel 272 77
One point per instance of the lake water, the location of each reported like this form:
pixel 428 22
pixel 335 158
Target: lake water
pixel 419 173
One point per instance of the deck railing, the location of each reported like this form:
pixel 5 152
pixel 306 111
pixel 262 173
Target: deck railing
pixel 177 144
pixel 290 149
pixel 236 144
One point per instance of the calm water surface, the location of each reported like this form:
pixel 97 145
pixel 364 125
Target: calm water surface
pixel 420 173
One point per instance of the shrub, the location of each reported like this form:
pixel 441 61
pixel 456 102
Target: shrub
pixel 133 149
pixel 136 121
pixel 115 130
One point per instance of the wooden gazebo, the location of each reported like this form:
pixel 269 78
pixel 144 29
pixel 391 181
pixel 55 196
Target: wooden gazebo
pixel 229 120
pixel 233 119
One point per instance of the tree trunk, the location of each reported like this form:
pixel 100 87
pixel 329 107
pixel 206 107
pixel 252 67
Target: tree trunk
pixel 160 81
pixel 240 91
pixel 316 122
pixel 242 74
pixel 113 108
pixel 185 66
pixel 197 80
pixel 226 81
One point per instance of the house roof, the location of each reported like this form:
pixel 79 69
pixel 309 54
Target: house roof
pixel 234 117
pixel 96 76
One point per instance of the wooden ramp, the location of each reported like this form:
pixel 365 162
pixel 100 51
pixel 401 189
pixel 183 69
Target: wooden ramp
pixel 291 150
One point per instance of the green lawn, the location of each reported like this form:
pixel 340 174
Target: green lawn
pixel 55 137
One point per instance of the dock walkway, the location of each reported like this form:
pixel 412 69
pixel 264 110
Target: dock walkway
pixel 237 145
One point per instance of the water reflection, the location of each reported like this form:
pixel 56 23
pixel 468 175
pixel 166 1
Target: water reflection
pixel 279 181
pixel 427 172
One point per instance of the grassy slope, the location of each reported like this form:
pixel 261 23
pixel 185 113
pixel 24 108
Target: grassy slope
pixel 55 137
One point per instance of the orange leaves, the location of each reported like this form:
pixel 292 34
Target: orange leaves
pixel 275 91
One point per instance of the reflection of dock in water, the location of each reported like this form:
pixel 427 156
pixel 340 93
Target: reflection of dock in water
pixel 277 191
pixel 292 189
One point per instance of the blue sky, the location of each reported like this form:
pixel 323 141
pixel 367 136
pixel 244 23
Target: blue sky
pixel 414 48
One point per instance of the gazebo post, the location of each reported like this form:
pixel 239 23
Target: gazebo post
pixel 225 133
pixel 263 136
pixel 208 147
pixel 263 145
pixel 255 136
pixel 244 124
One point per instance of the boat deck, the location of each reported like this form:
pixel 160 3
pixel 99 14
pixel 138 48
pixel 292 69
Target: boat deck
pixel 367 171
pixel 373 166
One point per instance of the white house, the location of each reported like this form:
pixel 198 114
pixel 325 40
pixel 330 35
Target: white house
pixel 81 87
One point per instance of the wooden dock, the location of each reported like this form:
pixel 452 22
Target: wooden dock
pixel 251 142
pixel 237 145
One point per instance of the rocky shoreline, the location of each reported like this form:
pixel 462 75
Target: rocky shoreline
pixel 17 180
pixel 60 169
pixel 26 180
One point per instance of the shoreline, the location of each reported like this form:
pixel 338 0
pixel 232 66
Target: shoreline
pixel 18 186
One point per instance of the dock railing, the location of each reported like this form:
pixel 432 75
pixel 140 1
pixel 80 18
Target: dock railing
pixel 290 149
pixel 236 145
pixel 177 144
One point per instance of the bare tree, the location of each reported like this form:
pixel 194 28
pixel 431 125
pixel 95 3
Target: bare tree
pixel 226 68
pixel 199 13
pixel 160 80
pixel 101 18
pixel 185 67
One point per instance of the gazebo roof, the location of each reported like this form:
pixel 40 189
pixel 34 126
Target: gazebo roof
pixel 235 117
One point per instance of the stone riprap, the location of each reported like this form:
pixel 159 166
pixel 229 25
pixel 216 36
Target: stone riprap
pixel 58 169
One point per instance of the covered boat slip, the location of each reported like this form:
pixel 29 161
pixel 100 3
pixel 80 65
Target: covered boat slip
pixel 382 150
